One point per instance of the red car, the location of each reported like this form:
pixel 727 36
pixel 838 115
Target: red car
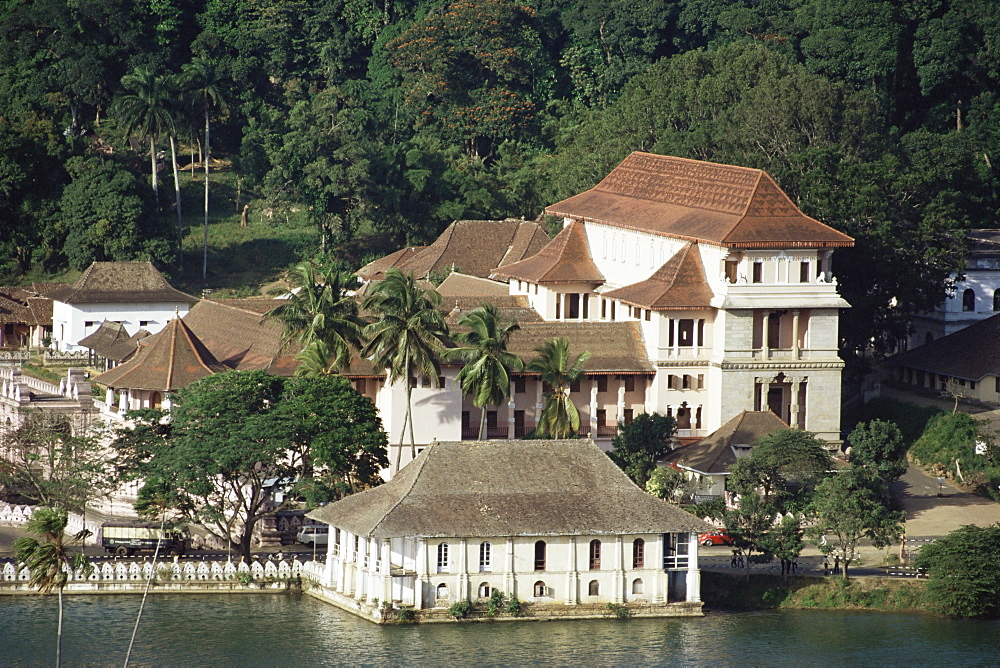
pixel 715 538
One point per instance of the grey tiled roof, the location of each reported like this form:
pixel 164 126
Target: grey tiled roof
pixel 507 488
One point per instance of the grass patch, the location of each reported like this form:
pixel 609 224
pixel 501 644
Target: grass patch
pixel 910 418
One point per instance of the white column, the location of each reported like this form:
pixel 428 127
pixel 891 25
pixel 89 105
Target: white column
pixel 385 570
pixel 795 333
pixel 372 587
pixel 593 408
pixel 109 397
pixel 421 579
pixel 510 411
pixel 619 566
pixel 510 583
pixel 621 400
pixel 765 384
pixel 693 573
pixel 463 570
pixel 572 575
pixel 538 401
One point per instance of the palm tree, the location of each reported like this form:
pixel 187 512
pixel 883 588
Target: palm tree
pixel 145 110
pixel 203 84
pixel 50 560
pixel 408 337
pixel 321 316
pixel 176 102
pixel 559 418
pixel 486 374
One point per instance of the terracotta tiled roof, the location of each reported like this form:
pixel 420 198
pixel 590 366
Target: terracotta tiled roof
pixel 462 285
pixel 24 306
pixel 678 284
pixel 259 305
pixel 477 247
pixel 241 338
pixel 507 488
pixel 566 259
pixel 615 347
pixel 715 454
pixel 970 353
pixel 512 307
pixel 121 283
pixel 174 359
pixel 112 341
pixel 375 271
pixel 700 201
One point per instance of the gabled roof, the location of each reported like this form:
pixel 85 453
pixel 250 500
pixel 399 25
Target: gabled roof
pixel 473 247
pixel 678 284
pixel 565 259
pixel 241 338
pixel 970 353
pixel 715 453
pixel 512 307
pixel 172 360
pixel 507 488
pixel 121 283
pixel 615 347
pixel 112 341
pixel 726 205
pixel 458 284
pixel 375 271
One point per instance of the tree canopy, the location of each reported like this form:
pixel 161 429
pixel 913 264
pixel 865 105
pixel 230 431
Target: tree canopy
pixel 963 580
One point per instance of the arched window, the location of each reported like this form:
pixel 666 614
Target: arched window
pixel 442 591
pixel 637 586
pixel 638 553
pixel 996 300
pixel 969 300
pixel 484 590
pixel 442 557
pixel 594 588
pixel 485 557
pixel 595 555
pixel 540 590
pixel 540 555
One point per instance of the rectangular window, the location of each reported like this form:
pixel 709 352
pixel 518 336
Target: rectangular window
pixel 701 333
pixel 89 323
pixel 613 310
pixel 520 385
pixel 540 555
pixel 595 555
pixel 604 309
pixel 629 383
pixel 804 271
pixel 602 417
pixel 732 267
pixel 972 384
pixel 672 383
pixel 144 323
pixel 701 381
pixel 574 386
pixel 685 333
pixel 602 383
pixel 649 315
pixel 638 553
pixel 670 332
pixel 491 420
pixel 558 307
pixel 758 271
pixel 628 414
pixel 485 557
pixel 360 385
pixel 586 306
pixel 573 306
pixel 442 561
pixel 686 382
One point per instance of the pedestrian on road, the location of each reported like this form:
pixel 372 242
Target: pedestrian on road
pixel 795 566
pixel 826 567
pixel 836 565
pixel 732 564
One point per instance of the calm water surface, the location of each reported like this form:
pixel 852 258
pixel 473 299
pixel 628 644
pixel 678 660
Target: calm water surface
pixel 274 630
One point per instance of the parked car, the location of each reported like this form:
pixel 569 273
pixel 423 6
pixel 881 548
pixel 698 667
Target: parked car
pixel 314 535
pixel 715 538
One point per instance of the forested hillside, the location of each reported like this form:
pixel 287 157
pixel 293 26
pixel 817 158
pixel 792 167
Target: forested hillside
pixel 383 120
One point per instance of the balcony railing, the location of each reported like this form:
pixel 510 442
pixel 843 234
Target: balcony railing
pixel 492 433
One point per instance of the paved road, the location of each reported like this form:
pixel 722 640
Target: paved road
pixel 931 516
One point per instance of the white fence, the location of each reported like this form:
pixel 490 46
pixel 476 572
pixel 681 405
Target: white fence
pixel 179 572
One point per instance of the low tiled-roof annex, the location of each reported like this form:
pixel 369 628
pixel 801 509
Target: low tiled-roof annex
pixel 477 247
pixel 715 454
pixel 457 284
pixel 565 259
pixel 172 360
pixel 121 283
pixel 375 270
pixel 507 488
pixel 242 338
pixel 953 355
pixel 112 341
pixel 24 306
pixel 732 206
pixel 678 284
pixel 614 347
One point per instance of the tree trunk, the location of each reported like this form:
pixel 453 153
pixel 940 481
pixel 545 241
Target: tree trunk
pixel 245 541
pixel 177 195
pixel 482 424
pixel 409 413
pixel 152 169
pixel 208 155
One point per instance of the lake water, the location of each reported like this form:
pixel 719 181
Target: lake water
pixel 286 630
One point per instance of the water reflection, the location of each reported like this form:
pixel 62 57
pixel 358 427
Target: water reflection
pixel 272 630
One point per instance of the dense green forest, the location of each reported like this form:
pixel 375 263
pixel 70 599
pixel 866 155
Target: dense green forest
pixel 377 122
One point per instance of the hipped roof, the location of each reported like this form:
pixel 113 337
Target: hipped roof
pixel 714 453
pixel 112 341
pixel 970 353
pixel 242 338
pixel 615 347
pixel 507 488
pixel 458 284
pixel 24 306
pixel 172 360
pixel 678 285
pixel 565 259
pixel 121 283
pixel 726 205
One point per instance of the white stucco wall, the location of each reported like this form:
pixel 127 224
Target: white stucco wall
pixel 69 320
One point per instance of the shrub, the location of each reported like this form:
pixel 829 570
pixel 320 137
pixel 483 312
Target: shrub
pixel 963 579
pixel 460 609
pixel 619 610
pixel 948 437
pixel 406 615
pixel 494 606
pixel 514 606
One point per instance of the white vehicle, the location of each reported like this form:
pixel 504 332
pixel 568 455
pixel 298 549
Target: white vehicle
pixel 314 535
